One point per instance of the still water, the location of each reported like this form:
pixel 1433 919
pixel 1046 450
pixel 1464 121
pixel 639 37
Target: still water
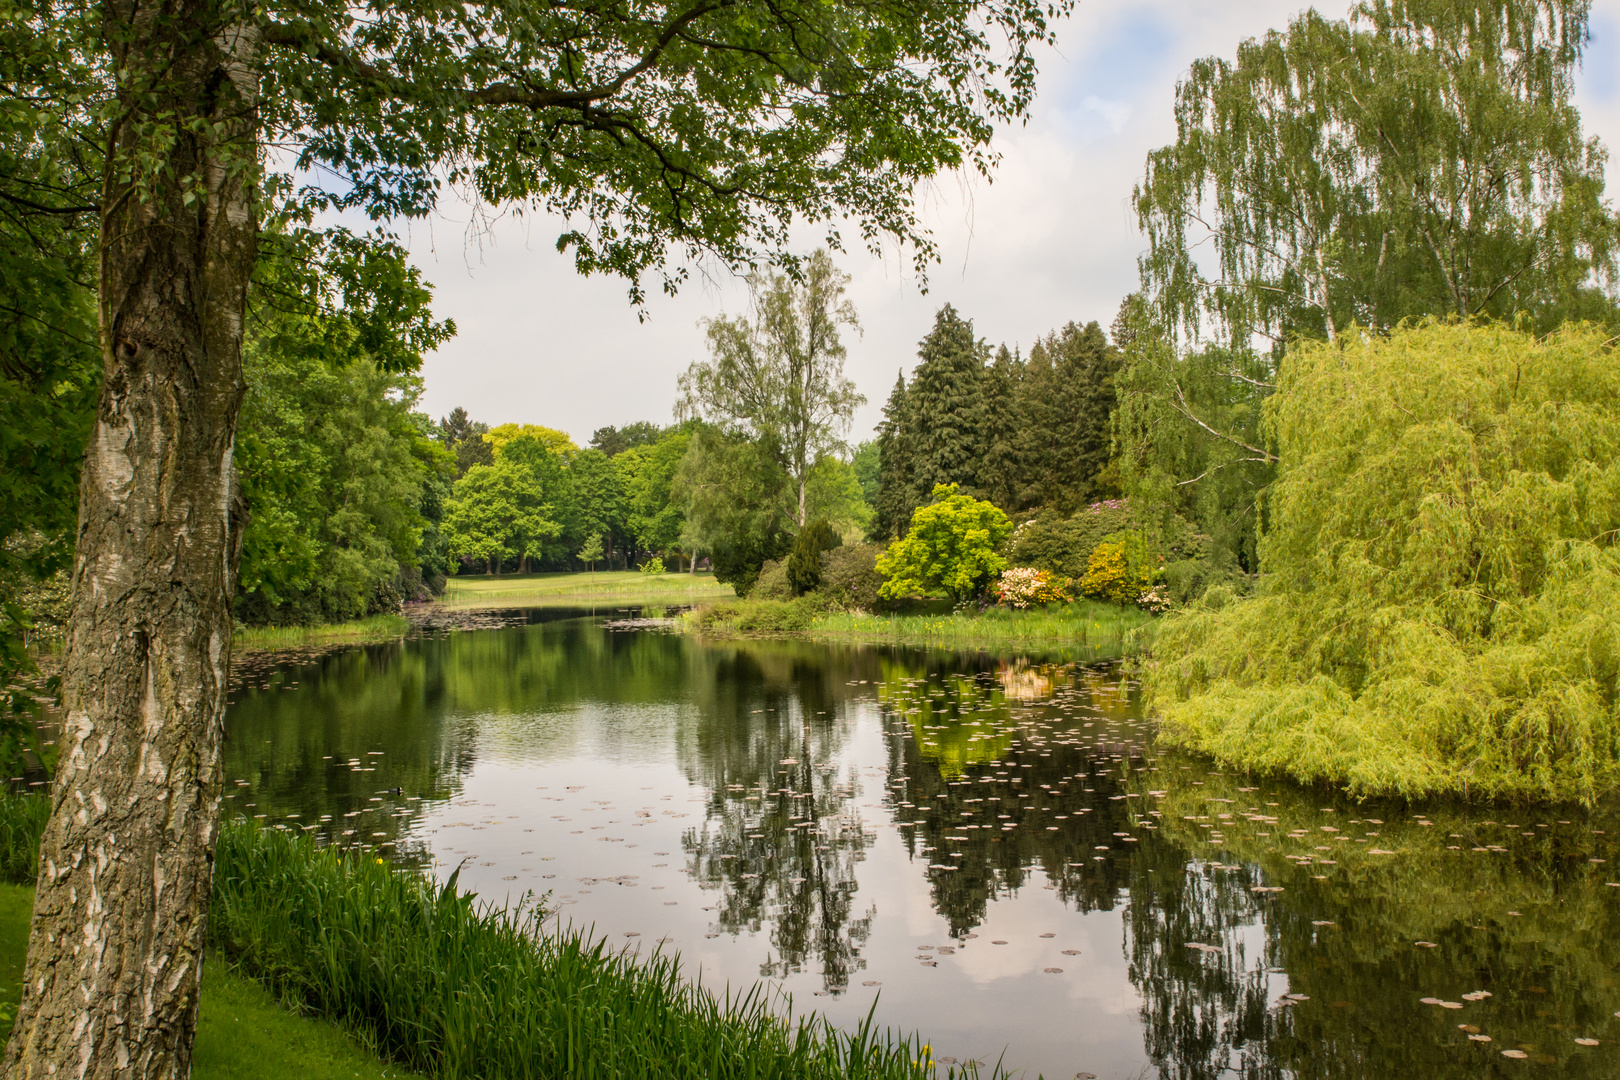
pixel 991 851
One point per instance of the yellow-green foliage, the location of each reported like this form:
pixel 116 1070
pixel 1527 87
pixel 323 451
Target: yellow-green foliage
pixel 952 547
pixel 1439 581
pixel 1118 570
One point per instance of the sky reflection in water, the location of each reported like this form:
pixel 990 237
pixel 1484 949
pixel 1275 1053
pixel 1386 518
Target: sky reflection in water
pixel 993 847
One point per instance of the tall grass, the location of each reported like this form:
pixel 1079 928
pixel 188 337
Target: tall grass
pixel 22 822
pixel 455 989
pixel 1100 629
pixel 375 628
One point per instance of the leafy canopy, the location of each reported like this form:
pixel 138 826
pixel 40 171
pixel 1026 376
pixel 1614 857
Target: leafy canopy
pixel 712 125
pixel 1421 158
pixel 1439 575
pixel 953 545
pixel 779 376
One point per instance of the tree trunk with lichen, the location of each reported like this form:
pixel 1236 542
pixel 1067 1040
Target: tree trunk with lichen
pixel 126 865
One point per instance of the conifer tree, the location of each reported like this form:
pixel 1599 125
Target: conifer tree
pixel 1001 471
pixel 945 407
pixel 893 508
pixel 1066 410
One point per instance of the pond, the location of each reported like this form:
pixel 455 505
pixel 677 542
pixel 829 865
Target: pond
pixel 991 852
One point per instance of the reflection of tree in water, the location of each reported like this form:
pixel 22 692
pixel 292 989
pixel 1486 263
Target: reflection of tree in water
pixel 782 835
pixel 997 775
pixel 1531 920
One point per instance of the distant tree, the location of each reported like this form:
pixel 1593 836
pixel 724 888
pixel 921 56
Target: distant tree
pixel 656 518
pixel 804 561
pixel 1067 406
pixel 780 375
pixel 464 437
pixel 894 501
pixel 738 503
pixel 833 493
pixel 945 407
pixel 1001 470
pixel 558 442
pixel 600 496
pixel 953 545
pixel 867 462
pixel 520 507
pixel 614 441
pixel 590 551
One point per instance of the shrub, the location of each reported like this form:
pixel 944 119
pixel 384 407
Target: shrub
pixel 772 583
pixel 1061 546
pixel 1025 586
pixel 952 545
pixel 804 561
pixel 849 576
pixel 1439 575
pixel 654 565
pixel 1120 569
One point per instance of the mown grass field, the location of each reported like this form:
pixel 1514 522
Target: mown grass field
pixel 242 1033
pixel 606 588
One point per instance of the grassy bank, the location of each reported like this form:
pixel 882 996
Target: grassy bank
pixel 425 977
pixel 359 632
pixel 242 1033
pixel 608 588
pixel 1095 628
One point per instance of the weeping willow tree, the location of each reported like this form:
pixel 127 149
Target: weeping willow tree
pixel 1439 575
pixel 1420 158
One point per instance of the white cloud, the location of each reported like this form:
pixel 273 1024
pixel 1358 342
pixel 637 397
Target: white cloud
pixel 1114 112
pixel 1052 239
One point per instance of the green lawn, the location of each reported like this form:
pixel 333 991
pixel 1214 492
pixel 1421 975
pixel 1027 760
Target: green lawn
pixel 242 1034
pixel 606 588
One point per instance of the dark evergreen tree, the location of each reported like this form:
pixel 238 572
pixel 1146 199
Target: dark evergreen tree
pixel 892 511
pixel 464 437
pixel 1066 407
pixel 1001 477
pixel 945 407
pixel 614 441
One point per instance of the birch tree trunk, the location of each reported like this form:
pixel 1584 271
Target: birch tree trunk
pixel 110 988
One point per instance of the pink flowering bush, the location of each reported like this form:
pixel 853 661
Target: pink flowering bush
pixel 1025 586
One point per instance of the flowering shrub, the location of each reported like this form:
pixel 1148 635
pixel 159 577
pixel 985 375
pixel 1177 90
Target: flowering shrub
pixel 1119 569
pixel 1025 586
pixel 1154 601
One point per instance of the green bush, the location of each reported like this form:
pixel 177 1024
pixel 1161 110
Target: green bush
pixel 1063 546
pixel 804 561
pixel 952 547
pixel 1439 575
pixel 772 583
pixel 850 578
pixel 754 616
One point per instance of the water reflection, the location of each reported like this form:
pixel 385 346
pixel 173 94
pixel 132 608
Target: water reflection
pixel 996 843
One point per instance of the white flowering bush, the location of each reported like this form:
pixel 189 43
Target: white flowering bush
pixel 1024 586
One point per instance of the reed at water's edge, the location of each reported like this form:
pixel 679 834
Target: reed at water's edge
pixel 455 989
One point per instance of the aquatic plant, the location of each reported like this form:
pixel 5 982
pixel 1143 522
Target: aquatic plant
pixel 1439 575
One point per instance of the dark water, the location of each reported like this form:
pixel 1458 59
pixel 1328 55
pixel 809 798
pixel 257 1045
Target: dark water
pixel 995 848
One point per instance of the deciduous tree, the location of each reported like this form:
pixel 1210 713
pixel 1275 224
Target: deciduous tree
pixel 706 127
pixel 779 374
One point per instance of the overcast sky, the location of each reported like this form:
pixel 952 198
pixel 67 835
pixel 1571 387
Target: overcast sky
pixel 1051 240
